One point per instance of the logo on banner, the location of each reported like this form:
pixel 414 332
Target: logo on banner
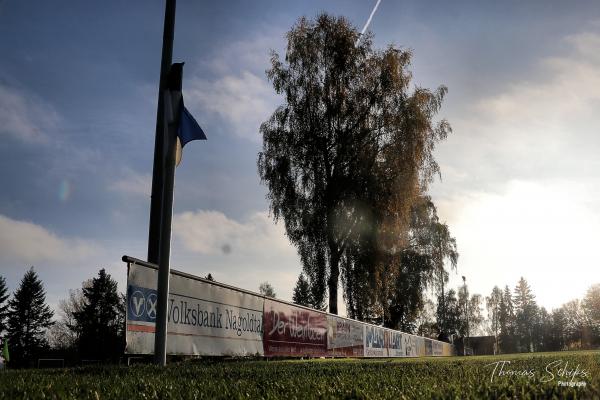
pixel 151 307
pixel 142 303
pixel 138 303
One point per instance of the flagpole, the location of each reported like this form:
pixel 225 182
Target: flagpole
pixel 161 204
pixel 157 173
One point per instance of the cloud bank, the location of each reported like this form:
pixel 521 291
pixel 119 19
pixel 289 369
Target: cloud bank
pixel 23 242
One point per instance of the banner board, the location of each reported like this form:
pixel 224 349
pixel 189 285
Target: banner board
pixel 345 337
pixel 395 348
pixel 375 341
pixel 203 318
pixel 447 349
pixel 420 346
pixel 409 343
pixel 213 319
pixel 293 331
pixel 428 347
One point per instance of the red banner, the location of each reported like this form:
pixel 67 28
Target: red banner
pixel 293 331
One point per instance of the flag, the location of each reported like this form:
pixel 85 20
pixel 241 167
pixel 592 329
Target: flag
pixel 5 354
pixel 188 130
pixel 188 127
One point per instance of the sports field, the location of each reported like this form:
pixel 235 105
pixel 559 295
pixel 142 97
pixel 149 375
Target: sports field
pixel 523 376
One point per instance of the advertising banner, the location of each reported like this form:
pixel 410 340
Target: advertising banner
pixel 203 318
pixel 209 318
pixel 420 346
pixel 345 337
pixel 293 331
pixel 395 348
pixel 447 350
pixel 375 341
pixel 409 343
pixel 428 347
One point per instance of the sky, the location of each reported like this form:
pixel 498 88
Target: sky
pixel 520 174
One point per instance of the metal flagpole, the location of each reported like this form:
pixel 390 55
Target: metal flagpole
pixel 161 206
pixel 172 102
pixel 158 169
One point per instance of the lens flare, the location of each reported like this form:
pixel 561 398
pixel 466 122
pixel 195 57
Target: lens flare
pixel 64 190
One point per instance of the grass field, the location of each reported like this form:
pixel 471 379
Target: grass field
pixel 522 376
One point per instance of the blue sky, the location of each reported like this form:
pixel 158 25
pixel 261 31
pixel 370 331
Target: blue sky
pixel 78 89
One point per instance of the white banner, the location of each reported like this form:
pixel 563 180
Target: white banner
pixel 207 318
pixel 203 318
pixel 345 337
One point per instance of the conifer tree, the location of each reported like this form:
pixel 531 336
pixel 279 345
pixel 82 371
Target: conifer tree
pixel 525 314
pixel 3 305
pixel 507 318
pixel 99 321
pixel 28 318
pixel 301 294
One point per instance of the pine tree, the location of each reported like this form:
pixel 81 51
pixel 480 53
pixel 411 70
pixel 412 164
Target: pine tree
pixel 525 314
pixel 99 321
pixel 507 322
pixel 3 305
pixel 302 295
pixel 28 318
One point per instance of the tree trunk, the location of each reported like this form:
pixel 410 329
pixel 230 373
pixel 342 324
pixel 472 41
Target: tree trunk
pixel 334 274
pixel 443 316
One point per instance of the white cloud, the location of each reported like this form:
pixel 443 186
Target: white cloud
pixel 543 127
pixel 212 232
pixel 242 253
pixel 242 100
pixel 61 263
pixel 23 242
pixel 252 54
pixel 24 116
pixel 239 94
pixel 540 129
pixel 132 183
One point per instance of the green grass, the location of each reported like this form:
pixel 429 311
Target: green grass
pixel 441 378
